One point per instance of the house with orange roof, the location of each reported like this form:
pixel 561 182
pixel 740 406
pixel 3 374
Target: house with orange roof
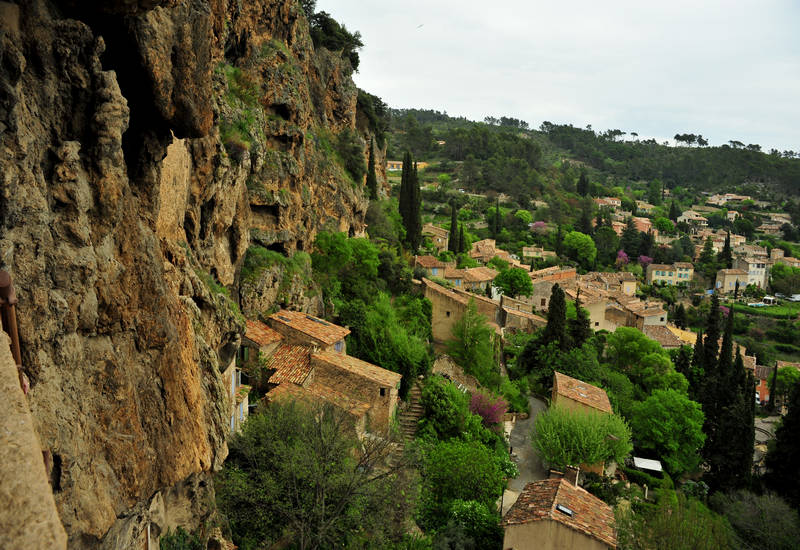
pixel 258 339
pixel 306 330
pixel 577 395
pixel 432 265
pixel 554 514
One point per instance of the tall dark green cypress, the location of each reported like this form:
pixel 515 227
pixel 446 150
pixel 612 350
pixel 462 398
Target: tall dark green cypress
pixel 415 218
pixel 556 328
pixel 585 221
pixel 580 329
pixel 462 244
pixel 404 199
pixel 452 244
pixel 559 244
pixel 496 221
pixel 711 343
pixel 674 213
pixel 630 239
pixel 725 258
pixel 372 179
pixel 773 381
pixel 583 184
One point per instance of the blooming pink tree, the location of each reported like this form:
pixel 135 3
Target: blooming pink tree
pixel 644 261
pixel 491 409
pixel 622 258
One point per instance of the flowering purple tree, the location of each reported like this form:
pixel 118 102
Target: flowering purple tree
pixel 490 409
pixel 539 227
pixel 644 261
pixel 622 258
pixel 725 310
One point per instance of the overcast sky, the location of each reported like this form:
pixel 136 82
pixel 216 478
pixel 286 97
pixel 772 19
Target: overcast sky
pixel 725 69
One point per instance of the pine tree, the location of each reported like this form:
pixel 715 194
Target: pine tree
pixel 556 329
pixel 452 244
pixel 462 245
pixel 725 257
pixel 580 329
pixel 372 179
pixel 783 459
pixel 583 184
pixel 674 213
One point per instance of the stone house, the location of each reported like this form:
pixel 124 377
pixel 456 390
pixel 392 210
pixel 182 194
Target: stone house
pixel 237 393
pixel 620 281
pixel 432 265
pixel 693 219
pixel 358 380
pixel 663 335
pixel 478 278
pixel 670 274
pixel 306 330
pixel 554 514
pixel 648 316
pixel 756 268
pixel 521 321
pixel 536 252
pixel 520 304
pixel 448 306
pixel 644 207
pixel 258 339
pixel 727 279
pixel 439 236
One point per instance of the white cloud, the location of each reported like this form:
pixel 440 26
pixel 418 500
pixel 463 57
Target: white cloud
pixel 728 70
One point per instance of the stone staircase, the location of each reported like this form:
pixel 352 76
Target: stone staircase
pixel 412 411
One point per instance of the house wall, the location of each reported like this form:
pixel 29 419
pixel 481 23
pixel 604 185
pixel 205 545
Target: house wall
pixel 486 307
pixel 547 534
pixel 237 413
pixel 445 312
pixel 597 316
pixel 513 303
pixel 358 387
pixel 615 318
pixel 726 284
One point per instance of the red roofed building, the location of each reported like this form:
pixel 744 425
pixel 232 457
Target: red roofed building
pixel 578 395
pixel 553 514
pixel 299 328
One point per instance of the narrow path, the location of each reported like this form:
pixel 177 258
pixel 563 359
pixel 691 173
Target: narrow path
pixel 522 453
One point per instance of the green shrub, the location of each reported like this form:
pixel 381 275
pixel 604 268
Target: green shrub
pixel 351 150
pixel 181 540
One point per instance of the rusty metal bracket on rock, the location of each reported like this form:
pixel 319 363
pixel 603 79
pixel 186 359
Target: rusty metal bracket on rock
pixel 8 316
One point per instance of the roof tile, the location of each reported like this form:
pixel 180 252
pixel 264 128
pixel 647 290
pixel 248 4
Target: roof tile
pixel 312 326
pixel 580 391
pixel 261 334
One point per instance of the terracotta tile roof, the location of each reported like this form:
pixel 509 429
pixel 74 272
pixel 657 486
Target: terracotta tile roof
pixel 683 264
pixel 357 366
pixel 316 392
pixel 650 311
pixel 312 326
pixel 663 336
pixel 590 515
pixel 687 336
pixel 291 364
pixel 782 364
pixel 580 391
pixel 732 272
pixel 242 392
pixel 428 261
pixel 660 267
pixel 451 273
pixel 480 274
pixel 763 373
pixel 261 334
pixel 535 318
pixel 477 297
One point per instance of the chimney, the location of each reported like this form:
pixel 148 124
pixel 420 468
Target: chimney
pixel 571 474
pixel 555 474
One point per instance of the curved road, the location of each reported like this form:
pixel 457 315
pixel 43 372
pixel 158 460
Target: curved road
pixel 522 453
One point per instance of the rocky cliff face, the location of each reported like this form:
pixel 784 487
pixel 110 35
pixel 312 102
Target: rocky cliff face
pixel 144 146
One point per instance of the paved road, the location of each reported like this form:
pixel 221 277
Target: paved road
pixel 522 452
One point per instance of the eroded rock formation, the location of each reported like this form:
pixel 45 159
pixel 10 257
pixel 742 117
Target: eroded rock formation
pixel 144 146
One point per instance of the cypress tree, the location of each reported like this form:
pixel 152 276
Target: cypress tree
pixel 674 213
pixel 556 329
pixel 580 329
pixel 698 356
pixel 462 245
pixel 404 199
pixel 585 221
pixel 415 217
pixel 680 316
pixel 725 258
pixel 711 343
pixel 773 380
pixel 630 239
pixel 496 221
pixel 452 244
pixel 782 461
pixel 583 184
pixel 646 242
pixel 372 179
pixel 559 244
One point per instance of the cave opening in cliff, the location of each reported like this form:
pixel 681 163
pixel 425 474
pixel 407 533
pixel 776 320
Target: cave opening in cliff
pixel 267 213
pixel 278 247
pixel 55 480
pixel 122 55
